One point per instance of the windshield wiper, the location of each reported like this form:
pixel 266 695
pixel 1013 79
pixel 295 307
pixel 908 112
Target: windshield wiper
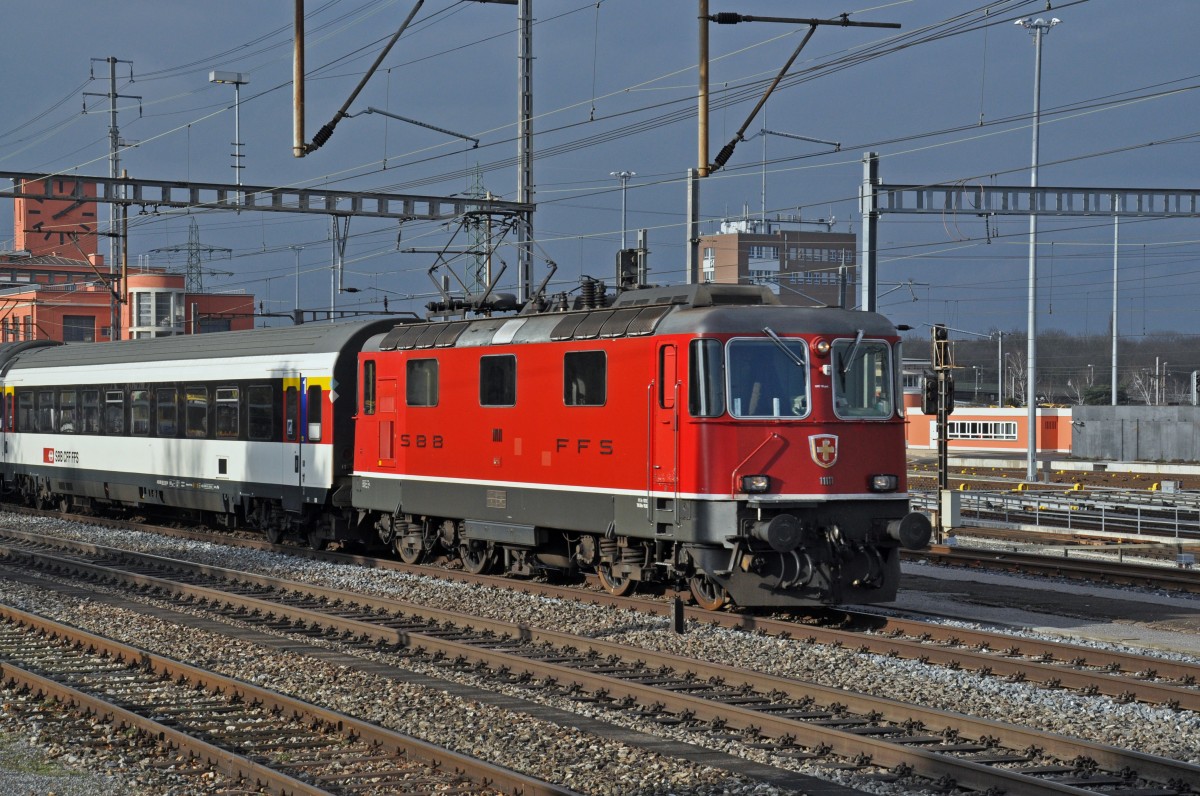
pixel 783 346
pixel 850 357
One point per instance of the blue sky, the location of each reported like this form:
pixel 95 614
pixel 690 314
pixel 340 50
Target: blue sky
pixel 946 98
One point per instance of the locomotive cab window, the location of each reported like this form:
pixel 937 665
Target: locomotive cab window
pixel 585 378
pixel 498 380
pixel 421 382
pixel 706 379
pixel 768 378
pixel 862 379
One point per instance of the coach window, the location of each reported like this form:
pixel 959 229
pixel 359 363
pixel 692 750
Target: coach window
pixel 314 414
pixel 139 412
pixel 45 411
pixel 227 412
pixel 498 380
pixel 369 387
pixel 66 412
pixel 291 413
pixel 114 412
pixel 167 413
pixel 196 417
pixel 25 412
pixel 585 378
pixel 260 412
pixel 706 379
pixel 89 411
pixel 421 382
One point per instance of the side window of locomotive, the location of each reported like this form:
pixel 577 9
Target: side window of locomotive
pixel 25 414
pixel 260 412
pixel 498 380
pixel 45 411
pixel 167 413
pixel 67 412
pixel 227 412
pixel 421 382
pixel 139 412
pixel 765 380
pixel 585 378
pixel 706 379
pixel 89 411
pixel 114 412
pixel 862 379
pixel 368 388
pixel 291 413
pixel 196 413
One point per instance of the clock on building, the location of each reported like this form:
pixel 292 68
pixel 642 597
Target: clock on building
pixel 64 225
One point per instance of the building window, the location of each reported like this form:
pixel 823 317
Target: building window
pixel 981 429
pixel 79 329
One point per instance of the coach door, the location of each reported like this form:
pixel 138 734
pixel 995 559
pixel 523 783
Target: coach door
pixel 664 436
pixel 292 438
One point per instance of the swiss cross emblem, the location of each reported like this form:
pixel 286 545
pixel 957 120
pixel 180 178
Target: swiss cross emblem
pixel 824 449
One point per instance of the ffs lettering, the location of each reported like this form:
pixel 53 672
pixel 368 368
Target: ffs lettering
pixel 602 446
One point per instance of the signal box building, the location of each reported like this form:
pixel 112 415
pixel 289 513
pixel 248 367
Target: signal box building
pixel 55 285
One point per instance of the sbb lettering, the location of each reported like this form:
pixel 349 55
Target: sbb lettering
pixel 603 447
pixel 421 441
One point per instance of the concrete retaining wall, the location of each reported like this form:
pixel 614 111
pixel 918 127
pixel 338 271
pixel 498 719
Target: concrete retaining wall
pixel 1136 433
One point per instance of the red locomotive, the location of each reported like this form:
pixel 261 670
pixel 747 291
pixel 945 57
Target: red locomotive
pixel 703 434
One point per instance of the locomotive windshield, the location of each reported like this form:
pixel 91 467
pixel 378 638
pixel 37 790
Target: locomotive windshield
pixel 768 378
pixel 862 379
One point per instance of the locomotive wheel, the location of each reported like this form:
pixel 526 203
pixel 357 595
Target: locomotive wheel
pixel 617 585
pixel 708 594
pixel 408 551
pixel 274 534
pixel 476 557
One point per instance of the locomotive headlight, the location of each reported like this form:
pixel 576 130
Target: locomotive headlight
pixel 756 483
pixel 821 347
pixel 884 483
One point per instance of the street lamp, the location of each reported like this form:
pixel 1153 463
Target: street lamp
pixel 237 79
pixel 623 176
pixel 1037 28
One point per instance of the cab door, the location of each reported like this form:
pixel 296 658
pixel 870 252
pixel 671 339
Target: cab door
pixel 664 436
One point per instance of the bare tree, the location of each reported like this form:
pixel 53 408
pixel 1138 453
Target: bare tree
pixel 1141 386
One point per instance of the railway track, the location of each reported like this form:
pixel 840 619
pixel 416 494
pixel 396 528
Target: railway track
pixel 262 740
pixel 791 718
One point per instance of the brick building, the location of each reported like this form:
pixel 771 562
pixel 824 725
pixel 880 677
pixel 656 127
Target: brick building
pixel 56 286
pixel 802 267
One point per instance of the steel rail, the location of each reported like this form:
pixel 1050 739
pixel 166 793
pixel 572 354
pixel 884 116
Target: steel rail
pixel 883 752
pixel 998 654
pixel 481 772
